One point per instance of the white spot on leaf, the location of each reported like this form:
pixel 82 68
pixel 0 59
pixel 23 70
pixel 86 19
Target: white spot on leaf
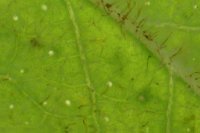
pixel 44 7
pixel 11 106
pixel 147 3
pixel 44 103
pixel 22 71
pixel 15 18
pixel 51 52
pixel 110 84
pixel 68 102
pixel 106 119
pixel 195 6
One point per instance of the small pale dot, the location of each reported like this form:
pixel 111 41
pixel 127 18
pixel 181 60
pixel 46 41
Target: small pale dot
pixel 68 102
pixel 7 77
pixel 22 71
pixel 106 119
pixel 195 6
pixel 194 59
pixel 147 129
pixel 147 3
pixel 141 98
pixel 11 106
pixel 110 84
pixel 15 18
pixel 44 7
pixel 51 52
pixel 44 103
pixel 188 130
pixel 26 123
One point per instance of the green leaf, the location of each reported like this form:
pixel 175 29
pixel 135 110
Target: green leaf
pixel 68 66
pixel 176 50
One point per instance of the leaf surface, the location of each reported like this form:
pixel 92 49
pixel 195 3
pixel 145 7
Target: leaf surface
pixel 67 66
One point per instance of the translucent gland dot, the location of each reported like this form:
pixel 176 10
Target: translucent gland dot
pixel 11 106
pixel 26 123
pixel 106 119
pixel 44 103
pixel 188 129
pixel 110 84
pixel 194 59
pixel 51 53
pixel 68 102
pixel 195 6
pixel 15 18
pixel 147 3
pixel 22 71
pixel 44 7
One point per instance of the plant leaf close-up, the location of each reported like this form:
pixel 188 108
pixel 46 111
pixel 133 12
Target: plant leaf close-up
pixel 99 66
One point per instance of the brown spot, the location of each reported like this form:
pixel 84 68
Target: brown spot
pixel 147 36
pixel 125 16
pixel 119 15
pixel 34 42
pixel 108 6
pixel 176 53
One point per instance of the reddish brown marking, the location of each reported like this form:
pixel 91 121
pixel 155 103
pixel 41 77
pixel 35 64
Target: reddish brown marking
pixel 147 36
pixel 192 74
pixel 125 16
pixel 108 6
pixel 139 25
pixel 162 45
pixel 176 53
